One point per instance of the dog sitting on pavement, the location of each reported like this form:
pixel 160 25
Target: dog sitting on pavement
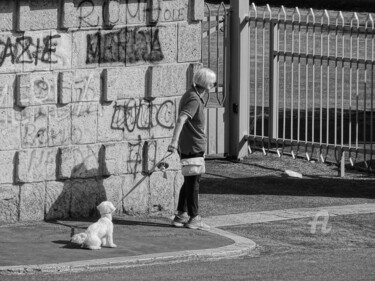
pixel 100 233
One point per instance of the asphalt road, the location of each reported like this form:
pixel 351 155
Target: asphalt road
pixel 324 265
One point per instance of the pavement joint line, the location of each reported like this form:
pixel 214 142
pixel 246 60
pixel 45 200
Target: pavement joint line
pixel 287 214
pixel 241 247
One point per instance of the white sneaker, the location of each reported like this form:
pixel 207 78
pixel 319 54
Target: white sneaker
pixel 197 223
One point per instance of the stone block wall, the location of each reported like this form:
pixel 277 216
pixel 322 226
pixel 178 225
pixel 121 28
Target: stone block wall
pixel 89 91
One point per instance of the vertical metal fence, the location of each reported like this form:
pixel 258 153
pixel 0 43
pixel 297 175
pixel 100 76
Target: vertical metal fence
pixel 312 84
pixel 214 55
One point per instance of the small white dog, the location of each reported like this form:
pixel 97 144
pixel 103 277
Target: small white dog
pixel 100 233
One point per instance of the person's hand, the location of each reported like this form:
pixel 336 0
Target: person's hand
pixel 172 147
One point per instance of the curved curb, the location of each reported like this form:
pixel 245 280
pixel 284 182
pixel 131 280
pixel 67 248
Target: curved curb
pixel 241 247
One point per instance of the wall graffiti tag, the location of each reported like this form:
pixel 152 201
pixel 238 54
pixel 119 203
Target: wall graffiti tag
pixel 143 115
pixel 135 10
pixel 124 45
pixel 28 50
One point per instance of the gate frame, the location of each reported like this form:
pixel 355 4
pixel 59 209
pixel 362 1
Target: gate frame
pixel 238 79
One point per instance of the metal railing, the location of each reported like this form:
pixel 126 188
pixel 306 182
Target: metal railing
pixel 311 84
pixel 214 56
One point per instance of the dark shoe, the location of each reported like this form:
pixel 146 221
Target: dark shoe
pixel 197 223
pixel 180 221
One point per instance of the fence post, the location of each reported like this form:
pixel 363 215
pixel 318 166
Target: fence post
pixel 273 83
pixel 239 78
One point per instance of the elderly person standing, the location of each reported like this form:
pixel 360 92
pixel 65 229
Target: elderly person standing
pixel 189 140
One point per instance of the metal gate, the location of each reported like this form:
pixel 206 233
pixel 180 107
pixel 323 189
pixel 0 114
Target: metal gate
pixel 309 76
pixel 314 93
pixel 214 56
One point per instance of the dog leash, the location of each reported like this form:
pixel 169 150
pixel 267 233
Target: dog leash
pixel 166 155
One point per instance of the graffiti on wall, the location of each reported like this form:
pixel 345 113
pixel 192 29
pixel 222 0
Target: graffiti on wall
pixel 143 115
pixel 134 11
pixel 124 45
pixel 28 50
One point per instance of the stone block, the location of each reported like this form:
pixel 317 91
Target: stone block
pixel 37 89
pixel 136 12
pixel 138 200
pixel 61 45
pixel 136 119
pixel 142 45
pixel 36 165
pixel 163 117
pixel 86 85
pixel 10 129
pixel 7 166
pixel 59 125
pixel 37 50
pixel 84 122
pixel 196 10
pixel 9 203
pixel 79 162
pixel 178 181
pixel 114 13
pixel 65 87
pixel 165 43
pixel 155 151
pixel 122 83
pixel 162 193
pixel 58 197
pixel 123 158
pixel 86 195
pixel 168 80
pixel 11 58
pixel 38 14
pixel 82 14
pixel 176 10
pixel 34 122
pixel 79 85
pixel 7 10
pixel 7 86
pixel 112 47
pixel 189 42
pixel 105 131
pixel 112 187
pixel 32 201
pixel 86 49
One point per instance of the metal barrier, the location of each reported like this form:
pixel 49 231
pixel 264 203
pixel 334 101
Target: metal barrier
pixel 311 84
pixel 214 56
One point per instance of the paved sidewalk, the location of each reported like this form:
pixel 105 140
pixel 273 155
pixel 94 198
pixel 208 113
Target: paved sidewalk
pixel 287 214
pixel 46 247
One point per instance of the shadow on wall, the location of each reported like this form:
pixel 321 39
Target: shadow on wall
pixel 77 197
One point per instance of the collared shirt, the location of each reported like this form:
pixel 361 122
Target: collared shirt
pixel 192 138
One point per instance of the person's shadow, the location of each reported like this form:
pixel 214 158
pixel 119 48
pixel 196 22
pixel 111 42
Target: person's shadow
pixel 74 201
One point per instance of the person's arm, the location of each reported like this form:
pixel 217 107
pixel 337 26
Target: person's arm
pixel 177 131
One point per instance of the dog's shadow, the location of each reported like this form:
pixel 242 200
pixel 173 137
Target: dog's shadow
pixel 67 244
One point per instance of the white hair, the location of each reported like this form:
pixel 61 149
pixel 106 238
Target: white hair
pixel 203 77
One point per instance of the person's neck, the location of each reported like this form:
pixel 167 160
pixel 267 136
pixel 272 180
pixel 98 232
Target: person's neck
pixel 200 89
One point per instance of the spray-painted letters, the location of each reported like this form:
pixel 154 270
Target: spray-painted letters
pixel 28 50
pixel 129 45
pixel 143 115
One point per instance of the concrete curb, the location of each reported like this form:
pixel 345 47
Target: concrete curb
pixel 241 247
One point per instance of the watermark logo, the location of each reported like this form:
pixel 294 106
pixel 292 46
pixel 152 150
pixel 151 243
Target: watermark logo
pixel 321 218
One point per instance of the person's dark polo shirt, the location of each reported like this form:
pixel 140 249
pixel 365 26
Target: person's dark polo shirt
pixel 192 138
